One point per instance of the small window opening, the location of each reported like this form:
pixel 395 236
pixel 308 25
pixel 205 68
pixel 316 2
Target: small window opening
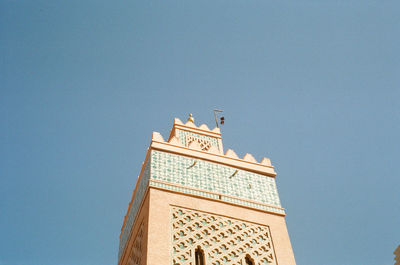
pixel 199 256
pixel 249 261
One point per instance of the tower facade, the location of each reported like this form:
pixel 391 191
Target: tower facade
pixel 195 204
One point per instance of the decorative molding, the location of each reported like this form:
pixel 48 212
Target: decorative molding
pixel 250 158
pixel 231 153
pixel 266 161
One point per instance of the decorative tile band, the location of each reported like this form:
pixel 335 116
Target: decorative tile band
pixel 216 197
pixel 213 177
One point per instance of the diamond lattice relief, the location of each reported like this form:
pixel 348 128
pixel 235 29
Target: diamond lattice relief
pixel 135 256
pixel 223 240
pixel 205 145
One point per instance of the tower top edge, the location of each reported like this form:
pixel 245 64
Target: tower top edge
pixel 190 125
pixel 201 142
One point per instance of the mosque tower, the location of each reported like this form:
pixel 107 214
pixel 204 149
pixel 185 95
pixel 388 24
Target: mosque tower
pixel 196 205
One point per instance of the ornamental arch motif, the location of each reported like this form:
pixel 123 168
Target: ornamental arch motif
pixel 199 258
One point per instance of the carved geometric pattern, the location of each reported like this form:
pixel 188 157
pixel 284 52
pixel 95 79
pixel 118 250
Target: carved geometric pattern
pixel 135 256
pixel 223 240
pixel 205 145
pixel 182 135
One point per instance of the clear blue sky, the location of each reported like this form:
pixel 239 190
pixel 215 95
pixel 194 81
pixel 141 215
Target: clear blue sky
pixel 312 84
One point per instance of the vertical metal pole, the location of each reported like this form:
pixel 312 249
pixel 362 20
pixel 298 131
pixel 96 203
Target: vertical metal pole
pixel 215 115
pixel 216 120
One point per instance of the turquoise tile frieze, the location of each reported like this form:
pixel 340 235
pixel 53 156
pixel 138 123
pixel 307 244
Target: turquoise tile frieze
pixel 215 196
pixel 183 134
pixel 144 182
pixel 213 177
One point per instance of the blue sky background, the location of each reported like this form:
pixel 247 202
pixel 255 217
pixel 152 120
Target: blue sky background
pixel 312 84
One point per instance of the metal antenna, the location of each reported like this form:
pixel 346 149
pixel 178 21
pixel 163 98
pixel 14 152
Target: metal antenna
pixel 215 115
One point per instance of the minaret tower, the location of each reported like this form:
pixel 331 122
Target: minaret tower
pixel 196 205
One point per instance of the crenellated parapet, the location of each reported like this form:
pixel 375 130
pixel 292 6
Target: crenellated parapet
pixel 197 136
pixel 201 142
